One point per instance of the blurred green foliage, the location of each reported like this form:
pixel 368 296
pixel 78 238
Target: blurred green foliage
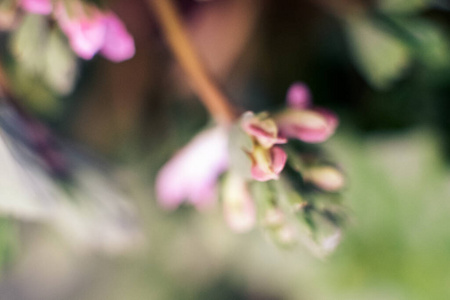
pixel 44 67
pixel 396 247
pixel 8 243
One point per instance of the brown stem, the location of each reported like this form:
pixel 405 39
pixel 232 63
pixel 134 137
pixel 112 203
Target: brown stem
pixel 209 92
pixel 4 83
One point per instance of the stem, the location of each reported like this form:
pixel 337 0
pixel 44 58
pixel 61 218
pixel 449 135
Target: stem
pixel 207 89
pixel 4 83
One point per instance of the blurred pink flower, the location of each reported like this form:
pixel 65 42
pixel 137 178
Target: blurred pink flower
pixel 119 44
pixel 90 30
pixel 311 125
pixel 40 7
pixel 85 30
pixel 192 174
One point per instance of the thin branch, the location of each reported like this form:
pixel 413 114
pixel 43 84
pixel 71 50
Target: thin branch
pixel 207 89
pixel 5 88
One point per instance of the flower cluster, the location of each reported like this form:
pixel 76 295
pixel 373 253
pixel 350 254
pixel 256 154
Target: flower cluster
pixel 268 160
pixel 89 29
pixel 259 173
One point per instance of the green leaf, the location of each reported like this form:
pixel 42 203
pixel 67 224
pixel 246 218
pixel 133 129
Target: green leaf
pixel 8 242
pixel 45 67
pixel 381 57
pixel 7 5
pixel 29 42
pixel 60 64
pixel 429 42
pixel 403 6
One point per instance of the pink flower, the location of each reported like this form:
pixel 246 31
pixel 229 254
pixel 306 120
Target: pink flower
pixel 262 128
pixel 298 96
pixel 267 164
pixel 119 44
pixel 40 7
pixel 85 28
pixel 311 125
pixel 89 31
pixel 193 172
pixel 267 161
pixel 307 125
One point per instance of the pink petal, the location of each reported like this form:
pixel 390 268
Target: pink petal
pixel 279 158
pixel 263 129
pixel 310 135
pixel 332 119
pixel 264 138
pixel 86 33
pixel 193 172
pixel 40 7
pixel 276 163
pixel 311 126
pixel 262 175
pixel 119 44
pixel 298 96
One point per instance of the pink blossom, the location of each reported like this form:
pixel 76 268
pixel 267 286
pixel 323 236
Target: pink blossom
pixel 267 164
pixel 263 129
pixel 311 125
pixel 307 125
pixel 90 30
pixel 40 7
pixel 267 161
pixel 298 96
pixel 119 44
pixel 85 30
pixel 193 172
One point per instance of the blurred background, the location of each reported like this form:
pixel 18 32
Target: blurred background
pixel 383 66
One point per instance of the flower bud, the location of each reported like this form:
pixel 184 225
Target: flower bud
pixel 298 96
pixel 238 206
pixel 119 44
pixel 311 126
pixel 267 164
pixel 327 178
pixel 263 129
